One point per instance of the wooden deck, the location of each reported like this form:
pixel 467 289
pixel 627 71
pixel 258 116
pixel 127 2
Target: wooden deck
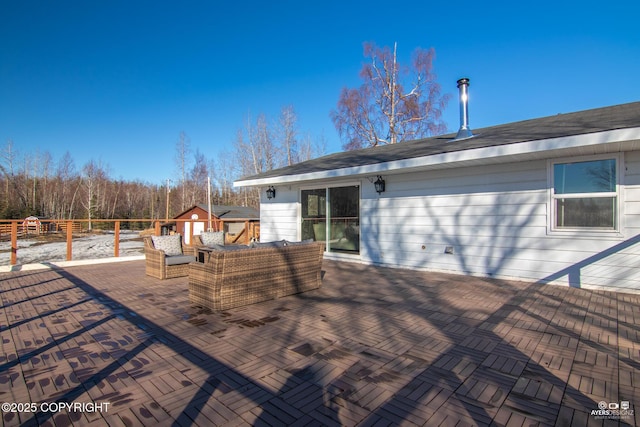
pixel 373 346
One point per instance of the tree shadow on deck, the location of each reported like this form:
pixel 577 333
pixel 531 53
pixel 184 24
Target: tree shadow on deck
pixel 468 366
pixel 86 379
pixel 373 344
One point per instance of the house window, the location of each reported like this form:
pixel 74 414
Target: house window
pixel 585 195
pixel 332 215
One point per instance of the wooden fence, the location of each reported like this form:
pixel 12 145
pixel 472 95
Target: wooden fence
pixel 40 228
pixel 13 230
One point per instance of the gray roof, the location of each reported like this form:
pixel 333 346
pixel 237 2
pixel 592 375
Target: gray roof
pixel 561 125
pixel 232 212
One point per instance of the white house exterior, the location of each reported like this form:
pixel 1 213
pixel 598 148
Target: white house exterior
pixel 554 200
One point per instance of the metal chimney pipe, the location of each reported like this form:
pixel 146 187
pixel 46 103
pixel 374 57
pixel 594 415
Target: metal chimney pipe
pixel 465 130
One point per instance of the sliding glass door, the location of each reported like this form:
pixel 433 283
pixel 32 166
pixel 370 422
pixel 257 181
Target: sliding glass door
pixel 332 215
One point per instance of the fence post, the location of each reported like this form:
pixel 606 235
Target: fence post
pixel 69 239
pixel 14 242
pixel 156 227
pixel 116 243
pixel 220 227
pixel 247 238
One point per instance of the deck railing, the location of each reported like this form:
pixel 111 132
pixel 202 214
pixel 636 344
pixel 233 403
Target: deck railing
pixel 15 229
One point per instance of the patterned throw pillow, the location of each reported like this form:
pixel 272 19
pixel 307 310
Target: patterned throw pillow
pixel 211 238
pixel 171 245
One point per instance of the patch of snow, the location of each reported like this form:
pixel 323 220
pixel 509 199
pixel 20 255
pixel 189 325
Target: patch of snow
pixel 82 248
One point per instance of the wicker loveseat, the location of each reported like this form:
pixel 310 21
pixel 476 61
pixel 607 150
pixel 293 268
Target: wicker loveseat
pixel 167 258
pixel 236 277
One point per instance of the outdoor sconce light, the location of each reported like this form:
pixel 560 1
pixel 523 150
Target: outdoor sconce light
pixel 271 192
pixel 379 184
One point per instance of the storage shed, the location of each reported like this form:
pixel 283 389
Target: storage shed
pixel 233 220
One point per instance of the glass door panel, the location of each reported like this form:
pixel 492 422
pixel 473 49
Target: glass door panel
pixel 344 230
pixel 314 214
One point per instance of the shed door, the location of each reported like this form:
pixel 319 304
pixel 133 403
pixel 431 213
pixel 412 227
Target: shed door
pixel 198 227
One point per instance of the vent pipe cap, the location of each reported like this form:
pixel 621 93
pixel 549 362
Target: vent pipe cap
pixel 465 131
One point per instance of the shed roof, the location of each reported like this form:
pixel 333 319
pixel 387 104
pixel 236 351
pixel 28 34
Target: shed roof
pixel 518 140
pixel 234 212
pixel 228 212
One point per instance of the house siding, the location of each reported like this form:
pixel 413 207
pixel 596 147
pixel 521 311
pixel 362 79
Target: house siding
pixel 496 221
pixel 489 216
pixel 495 218
pixel 279 216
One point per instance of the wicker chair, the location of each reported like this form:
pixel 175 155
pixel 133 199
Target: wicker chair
pixel 161 266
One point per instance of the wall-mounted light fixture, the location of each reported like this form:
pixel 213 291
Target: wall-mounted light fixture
pixel 379 184
pixel 271 192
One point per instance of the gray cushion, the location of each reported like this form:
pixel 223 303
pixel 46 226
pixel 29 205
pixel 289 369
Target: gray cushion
pixel 171 245
pixel 179 259
pixel 277 244
pixel 304 242
pixel 229 248
pixel 211 238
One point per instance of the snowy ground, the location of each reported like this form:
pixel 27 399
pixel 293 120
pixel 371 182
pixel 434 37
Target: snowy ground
pixel 98 246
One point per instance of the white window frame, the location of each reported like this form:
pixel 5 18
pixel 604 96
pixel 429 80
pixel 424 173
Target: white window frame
pixel 552 229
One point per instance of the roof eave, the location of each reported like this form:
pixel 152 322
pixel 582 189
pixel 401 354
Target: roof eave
pixel 476 156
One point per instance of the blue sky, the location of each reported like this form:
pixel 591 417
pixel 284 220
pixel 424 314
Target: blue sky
pixel 116 82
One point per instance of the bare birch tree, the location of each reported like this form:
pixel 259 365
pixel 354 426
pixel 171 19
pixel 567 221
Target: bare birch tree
pixel 288 135
pixel 381 111
pixel 183 149
pixel 67 176
pixel 311 148
pixel 7 169
pixel 261 144
pixel 255 152
pixel 44 173
pixel 94 175
pixel 198 179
